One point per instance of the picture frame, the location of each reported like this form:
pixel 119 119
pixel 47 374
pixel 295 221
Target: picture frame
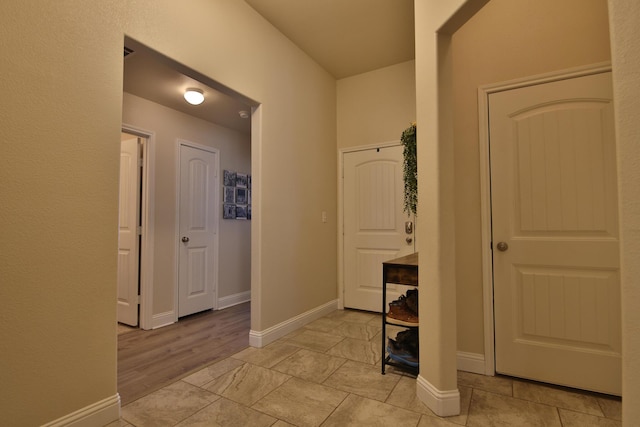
pixel 241 196
pixel 229 195
pixel 229 178
pixel 241 211
pixel 228 211
pixel 241 180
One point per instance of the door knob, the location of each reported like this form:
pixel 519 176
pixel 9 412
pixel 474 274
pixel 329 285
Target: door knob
pixel 502 246
pixel 185 239
pixel 409 240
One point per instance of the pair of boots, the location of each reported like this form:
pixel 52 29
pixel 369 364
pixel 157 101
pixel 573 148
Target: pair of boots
pixel 404 310
pixel 405 348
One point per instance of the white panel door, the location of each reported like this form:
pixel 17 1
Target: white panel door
pixel 555 234
pixel 198 230
pixel 374 224
pixel 128 238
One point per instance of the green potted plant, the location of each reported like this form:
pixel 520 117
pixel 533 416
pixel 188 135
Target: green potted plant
pixel 408 141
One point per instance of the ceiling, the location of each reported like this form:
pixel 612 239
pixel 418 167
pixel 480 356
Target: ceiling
pixel 149 75
pixel 345 37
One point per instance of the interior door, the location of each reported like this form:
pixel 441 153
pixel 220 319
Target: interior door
pixel 198 219
pixel 128 237
pixel 375 227
pixel 555 234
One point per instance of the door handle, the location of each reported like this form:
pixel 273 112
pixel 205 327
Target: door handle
pixel 502 246
pixel 409 240
pixel 408 227
pixel 185 239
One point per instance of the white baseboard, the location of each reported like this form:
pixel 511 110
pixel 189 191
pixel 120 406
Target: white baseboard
pixel 97 414
pixel 262 338
pixel 163 319
pixel 471 362
pixel 235 299
pixel 443 403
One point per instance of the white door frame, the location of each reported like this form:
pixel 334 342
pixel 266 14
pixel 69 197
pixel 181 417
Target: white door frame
pixel 485 187
pixel 147 206
pixel 341 153
pixel 216 225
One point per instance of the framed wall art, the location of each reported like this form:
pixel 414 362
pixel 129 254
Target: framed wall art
pixel 236 195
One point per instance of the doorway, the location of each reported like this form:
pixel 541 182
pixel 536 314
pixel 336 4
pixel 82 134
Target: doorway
pixel 145 71
pixel 376 229
pixel 129 228
pixel 554 235
pixel 135 271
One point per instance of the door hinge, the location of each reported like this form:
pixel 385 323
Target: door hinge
pixel 139 230
pixel 137 299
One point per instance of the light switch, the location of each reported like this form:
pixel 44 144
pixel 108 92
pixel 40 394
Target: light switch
pixel 324 216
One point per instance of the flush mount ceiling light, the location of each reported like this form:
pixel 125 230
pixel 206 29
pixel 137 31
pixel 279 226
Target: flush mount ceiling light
pixel 243 114
pixel 194 96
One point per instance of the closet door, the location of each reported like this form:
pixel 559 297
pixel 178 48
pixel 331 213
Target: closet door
pixel 555 234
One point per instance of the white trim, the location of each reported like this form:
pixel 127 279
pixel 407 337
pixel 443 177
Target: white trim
pixel 147 207
pixel 553 76
pixel 368 147
pixel 485 221
pixel 235 299
pixel 443 403
pixel 341 153
pixel 256 216
pixel 262 338
pixel 164 319
pixel 97 414
pixel 176 243
pixel 485 186
pixel 216 220
pixel 471 362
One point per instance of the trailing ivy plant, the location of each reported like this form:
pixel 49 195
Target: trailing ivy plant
pixel 408 141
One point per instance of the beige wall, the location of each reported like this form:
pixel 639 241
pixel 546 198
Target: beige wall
pixel 506 40
pixel 61 113
pixel 235 236
pixel 377 106
pixel 624 18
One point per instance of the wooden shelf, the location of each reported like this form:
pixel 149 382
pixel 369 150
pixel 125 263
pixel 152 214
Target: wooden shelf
pixel 401 271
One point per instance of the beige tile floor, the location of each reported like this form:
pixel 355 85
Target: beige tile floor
pixel 328 374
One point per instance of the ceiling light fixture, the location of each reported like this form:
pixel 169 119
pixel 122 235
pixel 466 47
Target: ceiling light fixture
pixel 194 96
pixel 243 114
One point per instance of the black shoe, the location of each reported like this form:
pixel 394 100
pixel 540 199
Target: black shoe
pixel 411 301
pixel 407 341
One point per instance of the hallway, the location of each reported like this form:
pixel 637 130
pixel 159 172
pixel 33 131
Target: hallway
pixel 328 374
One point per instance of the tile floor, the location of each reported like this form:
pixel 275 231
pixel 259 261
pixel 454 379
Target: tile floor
pixel 328 374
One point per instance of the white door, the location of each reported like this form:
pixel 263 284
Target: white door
pixel 555 234
pixel 198 220
pixel 374 224
pixel 128 237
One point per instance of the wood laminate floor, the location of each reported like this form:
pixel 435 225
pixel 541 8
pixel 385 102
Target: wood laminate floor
pixel 150 360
